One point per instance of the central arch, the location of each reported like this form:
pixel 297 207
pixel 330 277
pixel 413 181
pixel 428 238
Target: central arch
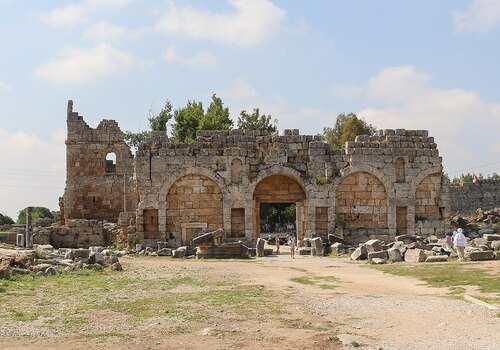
pixel 280 188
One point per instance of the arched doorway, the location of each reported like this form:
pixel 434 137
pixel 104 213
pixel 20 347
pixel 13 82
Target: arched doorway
pixel 280 190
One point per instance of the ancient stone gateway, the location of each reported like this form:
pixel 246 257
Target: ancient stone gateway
pixel 378 186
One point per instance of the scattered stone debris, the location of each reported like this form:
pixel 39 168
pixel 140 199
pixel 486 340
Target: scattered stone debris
pixel 417 249
pixel 210 245
pixel 44 260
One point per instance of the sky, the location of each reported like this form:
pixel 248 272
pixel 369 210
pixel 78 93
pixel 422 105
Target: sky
pixel 412 64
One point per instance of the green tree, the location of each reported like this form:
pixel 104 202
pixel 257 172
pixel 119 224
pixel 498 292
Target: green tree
pixel 187 121
pixel 216 117
pixel 347 127
pixel 255 121
pixel 156 123
pixel 5 220
pixel 38 212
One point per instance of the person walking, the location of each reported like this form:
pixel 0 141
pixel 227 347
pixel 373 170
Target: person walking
pixel 460 243
pixel 292 242
pixel 277 241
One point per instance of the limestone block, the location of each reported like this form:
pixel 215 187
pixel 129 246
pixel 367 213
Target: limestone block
pixel 481 255
pixel 394 255
pixel 373 245
pixel 317 245
pixel 260 247
pixel 379 254
pixel 415 256
pixel 437 258
pixel 359 253
pixel 379 261
pixel 490 237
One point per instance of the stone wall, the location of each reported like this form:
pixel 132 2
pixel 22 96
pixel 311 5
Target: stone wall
pixel 468 197
pixel 76 234
pixel 94 186
pixel 376 187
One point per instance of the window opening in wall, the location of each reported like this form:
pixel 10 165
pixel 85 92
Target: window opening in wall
pixel 111 162
pixel 93 199
pixel 277 219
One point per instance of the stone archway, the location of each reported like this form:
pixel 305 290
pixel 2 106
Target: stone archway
pixel 194 202
pixel 280 188
pixel 361 207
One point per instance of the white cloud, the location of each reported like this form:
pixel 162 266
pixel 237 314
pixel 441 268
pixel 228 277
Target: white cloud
pixel 251 22
pixel 481 16
pixel 34 171
pixel 239 90
pixel 201 58
pixel 4 87
pixel 105 31
pixel 81 65
pixel 463 124
pixel 76 13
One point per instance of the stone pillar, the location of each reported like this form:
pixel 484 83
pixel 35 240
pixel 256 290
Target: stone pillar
pixel 29 229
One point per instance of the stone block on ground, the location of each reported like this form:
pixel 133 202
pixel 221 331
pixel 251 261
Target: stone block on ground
pixel 491 237
pixel 339 248
pixel 437 258
pixel 373 245
pixel 359 253
pixel 24 259
pixel 481 255
pixel 180 252
pixel 116 267
pixel 399 245
pixel 394 255
pixel 260 247
pixel 415 256
pixel 317 244
pixel 495 245
pixel 304 251
pixel 405 238
pixel 379 261
pixel 418 245
pixel 165 252
pixel 335 239
pixel 377 255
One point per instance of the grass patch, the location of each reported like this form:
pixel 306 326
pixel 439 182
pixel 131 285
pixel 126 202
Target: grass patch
pixel 22 316
pixel 450 275
pixel 315 280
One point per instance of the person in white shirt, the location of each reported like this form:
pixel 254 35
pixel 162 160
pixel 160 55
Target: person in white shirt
pixel 460 243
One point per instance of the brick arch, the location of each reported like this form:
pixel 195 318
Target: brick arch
pixel 361 207
pixel 422 175
pixel 381 176
pixel 279 170
pixel 279 188
pixel 195 170
pixel 193 198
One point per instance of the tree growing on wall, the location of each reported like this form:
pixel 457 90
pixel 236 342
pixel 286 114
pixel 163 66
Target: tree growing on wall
pixel 255 121
pixel 157 122
pixel 38 212
pixel 347 127
pixel 193 117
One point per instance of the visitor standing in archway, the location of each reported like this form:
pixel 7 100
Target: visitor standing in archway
pixel 292 242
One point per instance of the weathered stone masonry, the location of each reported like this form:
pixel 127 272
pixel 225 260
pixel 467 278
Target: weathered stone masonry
pixel 377 187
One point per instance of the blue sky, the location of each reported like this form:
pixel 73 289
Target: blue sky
pixel 414 64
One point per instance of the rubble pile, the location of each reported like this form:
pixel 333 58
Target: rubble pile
pixel 481 216
pixel 417 249
pixel 44 260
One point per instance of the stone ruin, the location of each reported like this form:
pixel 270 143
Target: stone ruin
pixel 377 187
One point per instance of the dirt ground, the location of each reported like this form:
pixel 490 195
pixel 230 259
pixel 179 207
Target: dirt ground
pixel 348 305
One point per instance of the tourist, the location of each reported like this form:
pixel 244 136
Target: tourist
pixel 292 242
pixel 455 231
pixel 277 241
pixel 460 242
